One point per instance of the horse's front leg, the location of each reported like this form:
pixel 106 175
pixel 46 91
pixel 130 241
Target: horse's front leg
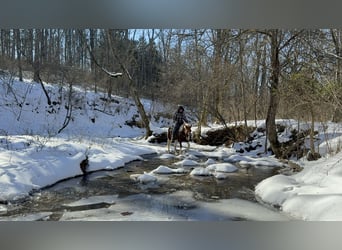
pixel 188 147
pixel 168 145
pixel 180 147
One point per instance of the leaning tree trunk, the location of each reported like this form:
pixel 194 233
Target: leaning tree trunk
pixel 135 94
pixel 142 113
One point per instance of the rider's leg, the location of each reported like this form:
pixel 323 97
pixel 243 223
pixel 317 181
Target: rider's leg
pixel 175 131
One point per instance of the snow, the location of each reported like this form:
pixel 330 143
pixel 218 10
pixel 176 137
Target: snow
pixel 210 161
pixel 313 194
pixel 144 178
pixel 167 156
pixel 32 168
pixel 237 158
pixel 222 167
pixel 186 162
pixel 200 171
pixel 167 170
pixel 3 209
pixel 218 170
pixel 33 155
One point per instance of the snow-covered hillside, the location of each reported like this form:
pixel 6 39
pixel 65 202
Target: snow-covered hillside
pixel 27 113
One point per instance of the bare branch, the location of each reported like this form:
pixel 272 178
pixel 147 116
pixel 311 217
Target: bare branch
pixel 334 55
pixel 111 74
pixel 290 39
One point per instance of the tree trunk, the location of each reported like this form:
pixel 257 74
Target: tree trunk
pixel 36 60
pixel 92 38
pixel 18 42
pixel 142 112
pixel 256 79
pixel 274 99
pixel 37 65
pixel 69 110
pixel 337 40
pixel 242 84
pixel 263 85
pixel 312 131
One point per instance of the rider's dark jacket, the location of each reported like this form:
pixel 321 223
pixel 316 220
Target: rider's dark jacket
pixel 179 118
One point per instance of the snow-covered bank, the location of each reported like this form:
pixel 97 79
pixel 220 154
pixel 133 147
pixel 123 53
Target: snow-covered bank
pixel 313 194
pixel 25 166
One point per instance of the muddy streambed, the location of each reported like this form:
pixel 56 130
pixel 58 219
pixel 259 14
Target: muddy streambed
pixel 52 203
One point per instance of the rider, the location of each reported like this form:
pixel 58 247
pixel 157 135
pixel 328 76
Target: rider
pixel 179 118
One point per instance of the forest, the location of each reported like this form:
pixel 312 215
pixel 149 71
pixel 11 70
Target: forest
pixel 222 75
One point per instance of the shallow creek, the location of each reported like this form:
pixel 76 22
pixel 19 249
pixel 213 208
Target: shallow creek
pixel 53 200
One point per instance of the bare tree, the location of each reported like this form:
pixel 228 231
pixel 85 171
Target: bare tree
pixel 279 40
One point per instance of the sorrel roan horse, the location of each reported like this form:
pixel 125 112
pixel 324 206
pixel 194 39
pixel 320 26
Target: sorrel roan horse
pixel 183 135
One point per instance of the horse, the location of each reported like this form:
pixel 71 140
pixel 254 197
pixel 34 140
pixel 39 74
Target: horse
pixel 183 135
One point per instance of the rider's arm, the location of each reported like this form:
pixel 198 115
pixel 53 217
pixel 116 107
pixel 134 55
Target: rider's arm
pixel 175 117
pixel 184 119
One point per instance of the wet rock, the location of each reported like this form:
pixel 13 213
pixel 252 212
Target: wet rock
pixel 225 136
pixel 158 138
pixel 313 156
pixel 126 213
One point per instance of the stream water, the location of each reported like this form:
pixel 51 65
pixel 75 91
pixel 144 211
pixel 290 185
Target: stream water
pixel 52 199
